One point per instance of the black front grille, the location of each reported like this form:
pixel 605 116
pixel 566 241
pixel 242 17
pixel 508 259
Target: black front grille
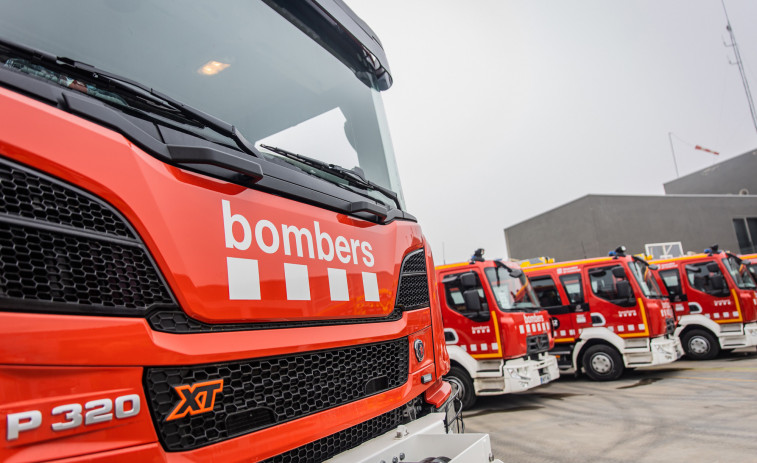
pixel 260 393
pixel 537 343
pixel 413 287
pixel 64 250
pixel 342 441
pixel 670 325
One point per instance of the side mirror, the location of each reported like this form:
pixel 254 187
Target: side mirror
pixel 516 272
pixel 692 268
pixel 472 301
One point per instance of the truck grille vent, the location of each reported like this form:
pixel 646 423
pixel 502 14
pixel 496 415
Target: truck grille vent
pixel 63 250
pixel 332 445
pixel 413 286
pixel 537 343
pixel 261 393
pixel 670 325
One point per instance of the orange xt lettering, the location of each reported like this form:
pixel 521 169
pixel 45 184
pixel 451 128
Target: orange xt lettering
pixel 196 398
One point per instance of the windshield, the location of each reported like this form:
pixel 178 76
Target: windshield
pixel 645 279
pixel 242 63
pixel 511 293
pixel 739 273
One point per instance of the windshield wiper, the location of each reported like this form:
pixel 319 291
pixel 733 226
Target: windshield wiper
pixel 162 102
pixel 352 176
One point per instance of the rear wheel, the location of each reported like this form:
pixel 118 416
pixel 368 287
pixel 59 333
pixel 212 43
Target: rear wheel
pixel 700 345
pixel 460 379
pixel 602 363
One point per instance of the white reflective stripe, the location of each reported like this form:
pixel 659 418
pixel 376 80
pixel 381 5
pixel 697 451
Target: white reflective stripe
pixel 528 328
pixel 494 346
pixel 735 315
pixel 707 315
pixel 641 327
pixel 612 328
pixel 338 284
pixel 716 315
pixel 572 332
pixel 484 347
pixel 370 287
pixel 522 330
pixel 473 348
pixel 630 327
pixel 297 282
pixel 621 328
pixel 464 347
pixel 562 332
pixel 244 279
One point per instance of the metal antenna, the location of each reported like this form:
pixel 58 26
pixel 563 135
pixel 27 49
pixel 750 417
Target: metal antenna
pixel 741 65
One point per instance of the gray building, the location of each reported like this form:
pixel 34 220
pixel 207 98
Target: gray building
pixel 711 206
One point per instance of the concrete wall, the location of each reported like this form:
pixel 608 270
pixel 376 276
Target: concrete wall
pixel 725 178
pixel 596 224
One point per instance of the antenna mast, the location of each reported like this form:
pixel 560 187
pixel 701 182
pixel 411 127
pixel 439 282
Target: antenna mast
pixel 741 66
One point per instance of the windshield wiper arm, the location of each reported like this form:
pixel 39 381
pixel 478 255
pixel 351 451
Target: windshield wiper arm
pixel 132 87
pixel 352 176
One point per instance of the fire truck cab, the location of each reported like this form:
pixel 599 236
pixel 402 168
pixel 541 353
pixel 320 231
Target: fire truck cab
pixel 497 336
pixel 608 314
pixel 714 297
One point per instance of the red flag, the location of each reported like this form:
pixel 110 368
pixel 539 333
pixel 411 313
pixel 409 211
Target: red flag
pixel 705 149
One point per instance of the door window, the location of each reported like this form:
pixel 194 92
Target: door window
pixel 611 283
pixel 546 291
pixel 672 281
pixel 707 277
pixel 453 291
pixel 573 285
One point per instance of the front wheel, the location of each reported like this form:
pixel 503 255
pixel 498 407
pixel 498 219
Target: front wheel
pixel 700 345
pixel 602 363
pixel 460 379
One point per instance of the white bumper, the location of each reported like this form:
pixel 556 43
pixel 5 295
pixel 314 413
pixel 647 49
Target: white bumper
pixel 659 351
pixel 732 339
pixel 519 375
pixel 419 439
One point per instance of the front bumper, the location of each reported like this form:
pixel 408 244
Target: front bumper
pixel 660 351
pixel 519 375
pixel 746 336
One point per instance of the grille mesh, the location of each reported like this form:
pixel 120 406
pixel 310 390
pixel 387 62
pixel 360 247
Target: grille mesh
pixel 342 441
pixel 25 194
pixel 537 343
pixel 263 392
pixel 63 250
pixel 413 287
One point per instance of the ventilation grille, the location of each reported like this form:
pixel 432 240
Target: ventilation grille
pixel 350 438
pixel 670 325
pixel 413 286
pixel 264 392
pixel 537 343
pixel 63 250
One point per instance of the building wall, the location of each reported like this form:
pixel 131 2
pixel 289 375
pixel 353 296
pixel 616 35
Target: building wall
pixel 725 178
pixel 596 224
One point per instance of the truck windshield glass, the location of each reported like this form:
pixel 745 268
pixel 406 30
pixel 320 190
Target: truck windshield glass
pixel 739 273
pixel 243 63
pixel 645 278
pixel 511 293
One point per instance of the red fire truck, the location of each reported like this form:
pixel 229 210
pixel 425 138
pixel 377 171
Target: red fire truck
pixel 497 336
pixel 608 314
pixel 714 297
pixel 750 260
pixel 176 283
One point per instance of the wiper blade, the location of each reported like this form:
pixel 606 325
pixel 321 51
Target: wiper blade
pixel 164 102
pixel 352 176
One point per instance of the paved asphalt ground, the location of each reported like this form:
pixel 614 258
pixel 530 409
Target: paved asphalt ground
pixel 682 412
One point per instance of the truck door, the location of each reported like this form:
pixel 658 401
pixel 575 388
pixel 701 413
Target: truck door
pixel 559 306
pixel 468 317
pixel 671 279
pixel 614 303
pixel 709 293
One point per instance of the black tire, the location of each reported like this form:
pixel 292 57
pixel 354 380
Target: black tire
pixel 460 379
pixel 700 345
pixel 602 363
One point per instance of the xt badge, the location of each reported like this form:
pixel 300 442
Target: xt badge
pixel 196 398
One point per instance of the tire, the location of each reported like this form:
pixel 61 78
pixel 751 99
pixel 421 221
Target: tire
pixel 700 345
pixel 602 363
pixel 459 378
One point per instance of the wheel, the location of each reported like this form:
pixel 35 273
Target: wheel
pixel 602 363
pixel 700 345
pixel 460 379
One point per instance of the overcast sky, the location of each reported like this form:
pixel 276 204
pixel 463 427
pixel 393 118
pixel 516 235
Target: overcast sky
pixel 504 109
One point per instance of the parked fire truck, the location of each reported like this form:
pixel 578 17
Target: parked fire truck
pixel 187 272
pixel 608 314
pixel 750 260
pixel 497 336
pixel 714 297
